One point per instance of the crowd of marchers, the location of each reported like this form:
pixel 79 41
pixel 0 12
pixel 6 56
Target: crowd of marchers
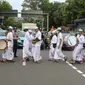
pixel 32 44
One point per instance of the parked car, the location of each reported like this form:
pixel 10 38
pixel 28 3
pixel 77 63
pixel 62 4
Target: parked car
pixel 21 35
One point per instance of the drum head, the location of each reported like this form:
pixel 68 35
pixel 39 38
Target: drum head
pixel 3 44
pixel 72 41
pixel 66 37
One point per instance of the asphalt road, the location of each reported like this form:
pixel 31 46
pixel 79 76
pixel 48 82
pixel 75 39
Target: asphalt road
pixel 45 73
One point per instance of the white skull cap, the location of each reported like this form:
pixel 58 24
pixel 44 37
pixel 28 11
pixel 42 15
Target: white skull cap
pixel 56 31
pixel 10 27
pixel 29 30
pixel 36 27
pixel 80 30
pixel 59 28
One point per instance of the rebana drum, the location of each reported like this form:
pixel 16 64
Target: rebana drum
pixel 3 44
pixel 70 40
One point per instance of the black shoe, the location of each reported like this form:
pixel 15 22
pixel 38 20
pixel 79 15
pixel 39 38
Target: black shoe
pixel 50 60
pixel 73 62
pixel 65 59
pixel 15 56
pixel 55 61
pixel 38 62
pixel 27 59
pixel 78 62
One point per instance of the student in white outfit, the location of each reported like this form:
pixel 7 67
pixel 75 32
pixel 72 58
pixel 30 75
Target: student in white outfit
pixel 8 55
pixel 53 45
pixel 58 52
pixel 36 46
pixel 26 46
pixel 77 53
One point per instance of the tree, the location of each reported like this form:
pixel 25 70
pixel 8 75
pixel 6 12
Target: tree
pixel 81 9
pixel 31 4
pixel 75 9
pixel 5 6
pixel 9 21
pixel 45 6
pixel 59 13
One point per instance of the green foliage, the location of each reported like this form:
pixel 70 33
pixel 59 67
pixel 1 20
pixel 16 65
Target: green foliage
pixel 12 22
pixel 5 6
pixel 59 13
pixel 31 4
pixel 9 21
pixel 75 9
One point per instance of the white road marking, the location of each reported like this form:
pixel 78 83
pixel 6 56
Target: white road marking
pixel 79 71
pixel 83 75
pixel 69 64
pixel 76 69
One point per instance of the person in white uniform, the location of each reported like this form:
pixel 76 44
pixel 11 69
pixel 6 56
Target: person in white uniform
pixel 27 46
pixel 36 46
pixel 8 55
pixel 77 53
pixel 58 52
pixel 53 45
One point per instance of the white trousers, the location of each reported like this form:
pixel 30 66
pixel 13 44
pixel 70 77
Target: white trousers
pixel 77 53
pixel 8 54
pixel 26 51
pixel 36 53
pixel 58 54
pixel 51 52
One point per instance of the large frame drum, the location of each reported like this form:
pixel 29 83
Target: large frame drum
pixel 3 44
pixel 70 40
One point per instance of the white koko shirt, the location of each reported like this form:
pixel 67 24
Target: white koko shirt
pixel 54 39
pixel 39 36
pixel 10 37
pixel 27 39
pixel 60 37
pixel 81 39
